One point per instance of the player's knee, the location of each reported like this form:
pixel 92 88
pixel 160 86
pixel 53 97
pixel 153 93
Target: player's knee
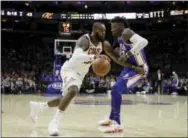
pixel 73 90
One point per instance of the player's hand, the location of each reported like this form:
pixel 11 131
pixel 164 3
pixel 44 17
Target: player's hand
pixel 129 54
pixel 123 58
pixel 139 70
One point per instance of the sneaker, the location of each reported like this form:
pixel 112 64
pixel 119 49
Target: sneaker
pixel 53 128
pixel 105 122
pixel 34 110
pixel 113 128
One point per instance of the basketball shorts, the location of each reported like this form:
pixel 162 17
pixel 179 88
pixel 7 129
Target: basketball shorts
pixel 70 78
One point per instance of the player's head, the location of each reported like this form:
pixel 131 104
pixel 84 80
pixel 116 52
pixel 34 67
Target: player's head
pixel 118 24
pixel 99 31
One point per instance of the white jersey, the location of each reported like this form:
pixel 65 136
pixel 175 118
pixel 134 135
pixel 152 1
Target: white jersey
pixel 81 67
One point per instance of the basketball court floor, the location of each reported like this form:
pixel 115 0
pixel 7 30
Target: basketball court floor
pixel 142 116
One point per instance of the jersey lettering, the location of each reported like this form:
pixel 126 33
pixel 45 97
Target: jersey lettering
pixel 94 51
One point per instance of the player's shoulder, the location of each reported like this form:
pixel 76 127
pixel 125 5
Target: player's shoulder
pixel 127 30
pixel 86 35
pixel 127 34
pixel 83 42
pixel 84 38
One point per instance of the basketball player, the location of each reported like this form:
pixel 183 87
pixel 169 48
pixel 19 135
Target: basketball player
pixel 73 71
pixel 132 57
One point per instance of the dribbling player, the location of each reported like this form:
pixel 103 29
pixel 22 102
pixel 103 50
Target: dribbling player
pixel 73 71
pixel 132 57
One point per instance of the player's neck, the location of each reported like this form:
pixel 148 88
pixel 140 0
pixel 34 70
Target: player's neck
pixel 94 40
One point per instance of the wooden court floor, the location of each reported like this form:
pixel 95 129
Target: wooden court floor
pixel 142 116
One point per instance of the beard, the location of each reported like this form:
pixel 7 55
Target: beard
pixel 99 37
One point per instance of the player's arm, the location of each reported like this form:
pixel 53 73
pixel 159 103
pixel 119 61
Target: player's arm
pixel 81 46
pixel 114 56
pixel 137 41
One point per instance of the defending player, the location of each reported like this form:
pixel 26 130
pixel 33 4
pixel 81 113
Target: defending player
pixel 131 55
pixel 73 72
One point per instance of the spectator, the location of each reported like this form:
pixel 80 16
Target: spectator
pixel 108 83
pixel 147 86
pixel 113 81
pixel 102 83
pixel 6 84
pixel 159 81
pixel 19 84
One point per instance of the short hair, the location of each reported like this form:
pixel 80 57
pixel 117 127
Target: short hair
pixel 122 20
pixel 96 24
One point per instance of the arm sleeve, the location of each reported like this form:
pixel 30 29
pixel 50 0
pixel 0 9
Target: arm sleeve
pixel 138 43
pixel 81 56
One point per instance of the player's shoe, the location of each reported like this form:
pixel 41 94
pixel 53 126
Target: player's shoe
pixel 53 128
pixel 114 127
pixel 35 108
pixel 105 122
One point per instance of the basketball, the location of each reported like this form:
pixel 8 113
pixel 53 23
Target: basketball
pixel 101 66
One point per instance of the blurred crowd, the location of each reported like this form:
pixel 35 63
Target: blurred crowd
pixel 18 83
pixel 25 82
pixel 168 50
pixel 25 53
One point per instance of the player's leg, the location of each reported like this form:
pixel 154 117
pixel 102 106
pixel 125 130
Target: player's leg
pixel 36 107
pixel 54 102
pixel 71 88
pixel 64 103
pixel 122 85
pixel 116 99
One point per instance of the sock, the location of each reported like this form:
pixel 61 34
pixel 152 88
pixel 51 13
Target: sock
pixel 57 115
pixel 43 105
